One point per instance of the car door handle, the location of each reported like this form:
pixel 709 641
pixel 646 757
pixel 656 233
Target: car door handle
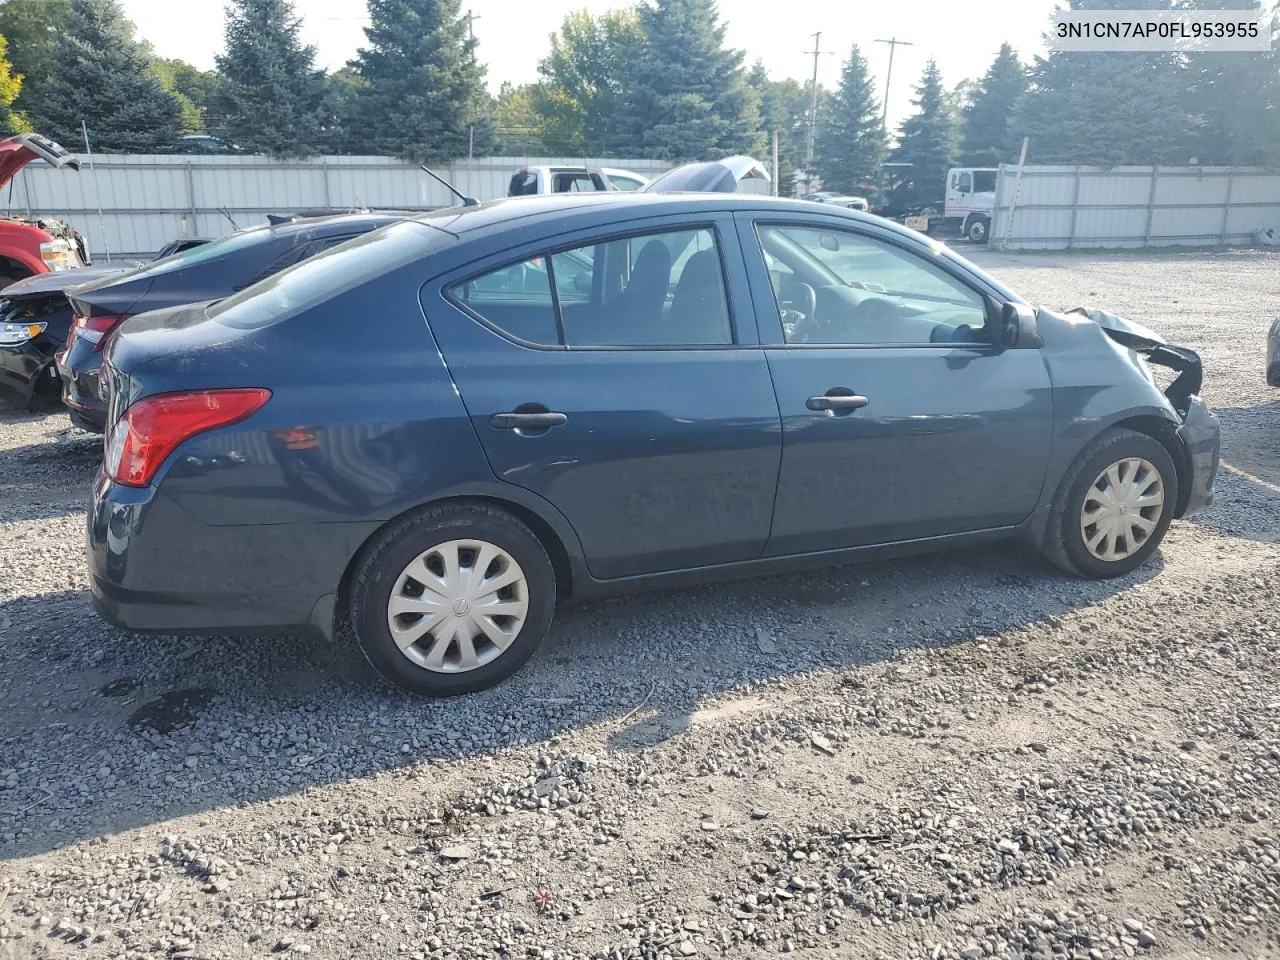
pixel 527 421
pixel 848 401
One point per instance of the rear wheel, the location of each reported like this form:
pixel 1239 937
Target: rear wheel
pixel 452 600
pixel 1113 506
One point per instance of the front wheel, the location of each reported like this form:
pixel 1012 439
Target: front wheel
pixel 977 229
pixel 452 600
pixel 1113 506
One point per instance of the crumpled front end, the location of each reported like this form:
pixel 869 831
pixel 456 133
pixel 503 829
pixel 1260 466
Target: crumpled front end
pixel 1199 432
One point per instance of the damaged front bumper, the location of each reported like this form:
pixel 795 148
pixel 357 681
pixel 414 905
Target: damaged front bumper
pixel 1199 432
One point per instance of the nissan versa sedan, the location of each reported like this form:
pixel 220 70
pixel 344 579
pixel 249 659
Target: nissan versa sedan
pixel 437 431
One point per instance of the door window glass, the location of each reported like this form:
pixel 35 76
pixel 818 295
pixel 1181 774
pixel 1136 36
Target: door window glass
pixel 836 287
pixel 660 290
pixel 965 184
pixel 652 290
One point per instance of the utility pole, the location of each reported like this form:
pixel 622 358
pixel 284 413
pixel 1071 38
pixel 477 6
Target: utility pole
pixel 471 19
pixel 894 43
pixel 813 109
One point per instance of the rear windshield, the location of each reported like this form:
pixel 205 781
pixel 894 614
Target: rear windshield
pixel 328 274
pixel 231 243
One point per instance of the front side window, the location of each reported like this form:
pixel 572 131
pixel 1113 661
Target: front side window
pixel 837 287
pixel 651 290
pixel 965 185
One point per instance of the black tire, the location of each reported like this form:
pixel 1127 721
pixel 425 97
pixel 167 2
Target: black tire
pixel 976 229
pixel 1064 541
pixel 395 548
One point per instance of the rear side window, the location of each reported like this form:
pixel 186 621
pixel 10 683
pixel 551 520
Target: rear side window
pixel 984 181
pixel 648 290
pixel 328 274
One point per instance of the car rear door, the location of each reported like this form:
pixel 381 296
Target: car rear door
pixel 619 376
pixel 901 420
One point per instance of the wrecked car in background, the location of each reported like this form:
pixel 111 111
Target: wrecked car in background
pixel 34 245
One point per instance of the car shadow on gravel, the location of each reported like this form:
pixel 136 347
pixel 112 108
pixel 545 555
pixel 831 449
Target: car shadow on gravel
pixel 106 731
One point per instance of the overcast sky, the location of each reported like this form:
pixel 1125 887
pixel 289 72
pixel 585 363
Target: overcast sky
pixel 963 36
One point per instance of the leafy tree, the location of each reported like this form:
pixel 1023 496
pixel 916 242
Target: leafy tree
pixel 851 142
pixel 424 89
pixel 1105 108
pixel 582 82
pixel 11 121
pixel 270 97
pixel 927 142
pixel 104 78
pixel 32 28
pixel 784 108
pixel 193 89
pixel 985 137
pixel 343 93
pixel 687 95
pixel 517 123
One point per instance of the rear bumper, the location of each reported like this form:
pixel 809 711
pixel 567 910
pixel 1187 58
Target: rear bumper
pixel 155 568
pixel 1202 437
pixel 80 391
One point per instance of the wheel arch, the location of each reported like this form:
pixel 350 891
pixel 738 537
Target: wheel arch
pixel 1165 433
pixel 552 535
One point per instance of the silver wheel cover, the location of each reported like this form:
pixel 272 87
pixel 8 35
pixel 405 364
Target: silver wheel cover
pixel 1122 509
pixel 458 606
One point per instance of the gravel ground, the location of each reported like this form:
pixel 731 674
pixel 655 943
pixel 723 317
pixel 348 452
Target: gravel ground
pixel 951 757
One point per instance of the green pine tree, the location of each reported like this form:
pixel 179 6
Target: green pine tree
pixel 582 82
pixel 927 142
pixel 1234 100
pixel 686 94
pixel 990 108
pixel 270 96
pixel 11 121
pixel 104 79
pixel 851 142
pixel 423 89
pixel 1105 108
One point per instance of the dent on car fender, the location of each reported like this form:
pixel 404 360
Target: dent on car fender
pixel 1184 361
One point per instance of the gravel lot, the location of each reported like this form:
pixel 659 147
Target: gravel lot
pixel 960 756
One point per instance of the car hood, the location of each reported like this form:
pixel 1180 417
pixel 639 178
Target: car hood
pixel 17 152
pixel 43 284
pixel 1183 360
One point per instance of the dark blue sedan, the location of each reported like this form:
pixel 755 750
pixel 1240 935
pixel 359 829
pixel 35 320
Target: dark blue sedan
pixel 439 430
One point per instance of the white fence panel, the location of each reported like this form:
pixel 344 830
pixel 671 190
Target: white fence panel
pixel 131 206
pixel 1061 207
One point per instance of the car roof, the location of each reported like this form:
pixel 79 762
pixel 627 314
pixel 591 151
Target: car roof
pixel 569 210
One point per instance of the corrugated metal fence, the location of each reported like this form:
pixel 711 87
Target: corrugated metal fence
pixel 1059 207
pixel 146 201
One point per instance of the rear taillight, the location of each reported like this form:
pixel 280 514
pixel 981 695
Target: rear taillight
pixel 153 428
pixel 93 330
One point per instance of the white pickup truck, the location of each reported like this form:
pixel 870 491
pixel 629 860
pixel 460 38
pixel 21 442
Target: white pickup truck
pixel 533 181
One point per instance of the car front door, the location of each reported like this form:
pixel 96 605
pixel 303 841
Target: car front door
pixel 901 420
pixel 620 378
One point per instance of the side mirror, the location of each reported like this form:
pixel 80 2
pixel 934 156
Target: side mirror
pixel 1017 326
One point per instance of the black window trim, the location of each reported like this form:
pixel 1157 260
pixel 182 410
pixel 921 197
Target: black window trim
pixel 989 302
pixel 448 285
